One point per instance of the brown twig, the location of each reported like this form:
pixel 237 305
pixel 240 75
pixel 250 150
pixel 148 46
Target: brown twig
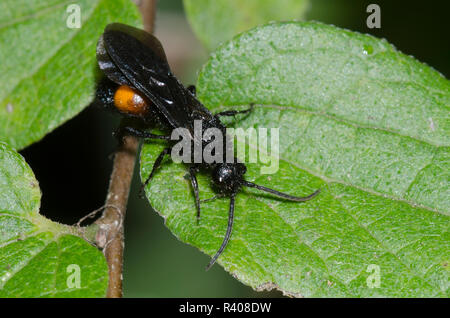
pixel 110 234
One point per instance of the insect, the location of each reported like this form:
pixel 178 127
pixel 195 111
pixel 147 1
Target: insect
pixel 144 90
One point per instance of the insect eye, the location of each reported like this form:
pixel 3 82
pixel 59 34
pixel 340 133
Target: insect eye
pixel 128 100
pixel 221 174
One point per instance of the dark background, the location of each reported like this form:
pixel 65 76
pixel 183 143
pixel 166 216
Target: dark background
pixel 73 163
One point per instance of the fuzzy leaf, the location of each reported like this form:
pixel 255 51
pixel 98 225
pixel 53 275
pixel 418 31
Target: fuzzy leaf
pixel 358 119
pixel 38 257
pixel 47 69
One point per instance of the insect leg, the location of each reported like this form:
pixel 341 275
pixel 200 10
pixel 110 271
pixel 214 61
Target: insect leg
pixel 122 131
pixel 155 166
pixel 192 172
pixel 227 234
pixel 235 112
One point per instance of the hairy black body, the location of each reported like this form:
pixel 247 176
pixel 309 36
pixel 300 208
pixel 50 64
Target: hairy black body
pixel 133 58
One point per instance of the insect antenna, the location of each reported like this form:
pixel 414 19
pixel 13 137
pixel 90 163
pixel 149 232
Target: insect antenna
pixel 280 194
pixel 227 234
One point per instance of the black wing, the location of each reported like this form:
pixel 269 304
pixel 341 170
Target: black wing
pixel 133 57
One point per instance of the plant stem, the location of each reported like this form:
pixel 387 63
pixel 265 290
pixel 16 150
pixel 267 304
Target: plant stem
pixel 110 235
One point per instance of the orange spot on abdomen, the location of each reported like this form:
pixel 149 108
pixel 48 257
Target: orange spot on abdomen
pixel 129 101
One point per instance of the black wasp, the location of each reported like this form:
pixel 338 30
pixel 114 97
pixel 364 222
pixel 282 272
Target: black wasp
pixel 143 89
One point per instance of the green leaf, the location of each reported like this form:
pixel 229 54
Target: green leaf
pixel 358 119
pixel 48 70
pixel 38 257
pixel 217 21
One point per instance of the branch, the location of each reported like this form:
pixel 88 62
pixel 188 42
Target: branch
pixel 110 234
